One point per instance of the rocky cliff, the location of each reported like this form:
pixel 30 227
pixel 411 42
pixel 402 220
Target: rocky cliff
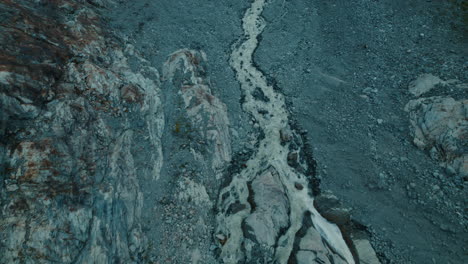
pixel 72 113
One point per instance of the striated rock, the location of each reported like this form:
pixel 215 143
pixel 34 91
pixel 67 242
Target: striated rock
pixel 439 123
pixel 207 114
pixel 199 124
pixel 70 192
pixel 440 126
pixel 269 205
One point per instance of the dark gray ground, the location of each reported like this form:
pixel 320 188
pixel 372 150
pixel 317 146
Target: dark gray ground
pixel 344 67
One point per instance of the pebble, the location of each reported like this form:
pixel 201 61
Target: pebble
pixel 298 186
pixel 369 91
pixel 220 236
pixel 12 187
pixel 132 248
pixel 292 159
pixel 450 170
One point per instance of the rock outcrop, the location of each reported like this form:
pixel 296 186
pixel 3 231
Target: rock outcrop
pixel 72 112
pixel 439 125
pixel 197 129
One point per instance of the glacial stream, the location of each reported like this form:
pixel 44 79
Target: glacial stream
pixel 254 204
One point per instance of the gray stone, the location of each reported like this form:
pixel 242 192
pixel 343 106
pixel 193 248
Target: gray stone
pixel 365 252
pixel 439 125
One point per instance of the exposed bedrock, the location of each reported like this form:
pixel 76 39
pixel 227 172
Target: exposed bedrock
pixel 71 111
pixel 197 152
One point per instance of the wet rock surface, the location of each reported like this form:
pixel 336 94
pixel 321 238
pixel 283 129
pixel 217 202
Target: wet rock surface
pixel 182 132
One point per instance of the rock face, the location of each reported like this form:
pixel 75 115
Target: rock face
pixel 207 114
pixel 197 130
pixel 72 110
pixel 439 124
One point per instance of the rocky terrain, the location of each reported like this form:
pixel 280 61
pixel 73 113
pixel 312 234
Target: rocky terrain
pixel 263 131
pixel 72 110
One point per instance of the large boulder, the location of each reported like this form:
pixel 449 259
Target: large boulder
pixel 440 125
